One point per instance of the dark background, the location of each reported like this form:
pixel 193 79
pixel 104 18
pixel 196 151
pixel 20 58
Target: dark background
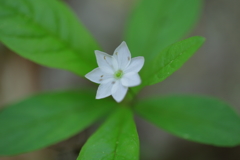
pixel 213 71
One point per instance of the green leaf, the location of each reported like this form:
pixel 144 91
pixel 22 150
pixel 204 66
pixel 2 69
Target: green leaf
pixel 48 33
pixel 156 24
pixel 45 119
pixel 170 60
pixel 116 139
pixel 200 119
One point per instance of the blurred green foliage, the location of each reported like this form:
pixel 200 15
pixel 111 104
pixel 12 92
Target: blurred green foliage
pixel 46 32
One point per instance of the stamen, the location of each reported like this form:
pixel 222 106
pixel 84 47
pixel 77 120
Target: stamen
pixel 118 74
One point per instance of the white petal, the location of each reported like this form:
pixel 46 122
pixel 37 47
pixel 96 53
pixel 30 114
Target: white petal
pixel 115 64
pixel 98 76
pixel 135 65
pixel 104 89
pixel 104 62
pixel 115 86
pixel 120 93
pixel 122 55
pixel 131 79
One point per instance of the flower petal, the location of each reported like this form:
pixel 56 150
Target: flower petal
pixel 115 86
pixel 115 64
pixel 120 93
pixel 131 79
pixel 135 65
pixel 105 89
pixel 122 55
pixel 104 62
pixel 98 76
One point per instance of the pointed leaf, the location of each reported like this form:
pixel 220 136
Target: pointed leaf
pixel 200 119
pixel 45 119
pixel 116 139
pixel 170 60
pixel 156 24
pixel 47 32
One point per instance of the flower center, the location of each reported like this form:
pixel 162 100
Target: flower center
pixel 118 74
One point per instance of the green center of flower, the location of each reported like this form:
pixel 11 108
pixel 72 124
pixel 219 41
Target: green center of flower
pixel 118 74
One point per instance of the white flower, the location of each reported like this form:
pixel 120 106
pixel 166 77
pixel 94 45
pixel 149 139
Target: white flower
pixel 116 73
